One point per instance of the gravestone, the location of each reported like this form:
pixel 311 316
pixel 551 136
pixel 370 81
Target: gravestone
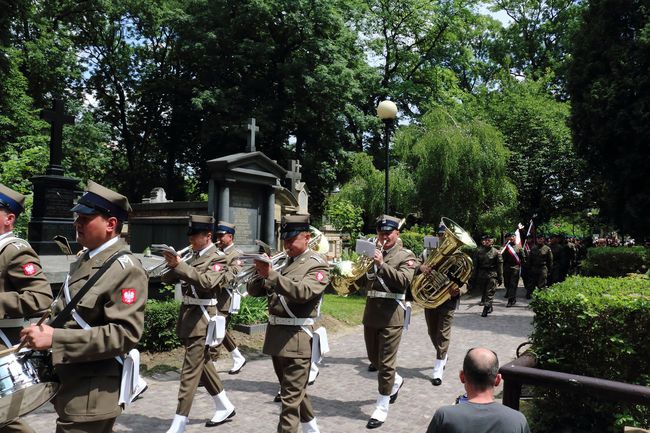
pixel 54 193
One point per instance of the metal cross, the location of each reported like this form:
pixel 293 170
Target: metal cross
pixel 294 174
pixel 57 117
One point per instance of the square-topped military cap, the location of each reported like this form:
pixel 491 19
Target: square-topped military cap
pixel 98 199
pixel 200 223
pixel 292 225
pixel 442 229
pixel 485 236
pixel 225 227
pixel 11 200
pixel 387 223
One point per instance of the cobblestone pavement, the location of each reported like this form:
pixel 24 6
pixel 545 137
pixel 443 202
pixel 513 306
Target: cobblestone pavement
pixel 344 394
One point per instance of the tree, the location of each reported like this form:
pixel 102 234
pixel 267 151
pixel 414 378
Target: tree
pixel 610 92
pixel 345 216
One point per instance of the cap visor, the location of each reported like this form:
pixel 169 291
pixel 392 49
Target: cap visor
pixel 289 235
pixel 385 228
pixel 83 209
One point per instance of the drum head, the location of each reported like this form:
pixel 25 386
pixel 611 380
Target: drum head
pixel 25 400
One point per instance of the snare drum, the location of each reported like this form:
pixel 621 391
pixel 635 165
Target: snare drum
pixel 21 388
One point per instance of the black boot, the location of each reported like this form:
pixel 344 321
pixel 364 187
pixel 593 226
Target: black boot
pixel 486 310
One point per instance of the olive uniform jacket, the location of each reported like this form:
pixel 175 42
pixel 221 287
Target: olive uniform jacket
pixel 396 272
pixel 539 259
pixel 208 275
pixel 229 258
pixel 488 263
pixel 85 359
pixel 24 290
pixel 509 260
pixel 301 282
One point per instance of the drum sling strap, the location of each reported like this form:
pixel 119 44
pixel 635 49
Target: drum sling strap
pixel 131 363
pixel 3 244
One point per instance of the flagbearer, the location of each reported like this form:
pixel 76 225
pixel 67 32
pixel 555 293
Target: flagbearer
pixel 512 254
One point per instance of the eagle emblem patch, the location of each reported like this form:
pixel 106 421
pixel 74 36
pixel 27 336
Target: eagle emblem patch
pixel 216 267
pixel 128 296
pixel 29 269
pixel 320 276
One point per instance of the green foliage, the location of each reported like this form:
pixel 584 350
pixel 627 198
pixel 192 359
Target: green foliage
pixel 572 225
pixel 413 240
pixel 252 310
pixel 593 327
pixel 615 261
pixel 345 216
pixel 608 84
pixel 348 309
pixel 160 326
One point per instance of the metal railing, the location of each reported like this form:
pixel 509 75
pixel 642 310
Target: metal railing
pixel 522 371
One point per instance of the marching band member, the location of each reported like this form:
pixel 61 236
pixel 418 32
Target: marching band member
pixel 106 322
pixel 229 256
pixel 384 314
pixel 202 279
pixel 294 294
pixel 24 290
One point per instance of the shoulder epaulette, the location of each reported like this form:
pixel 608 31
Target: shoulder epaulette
pixel 125 261
pixel 319 258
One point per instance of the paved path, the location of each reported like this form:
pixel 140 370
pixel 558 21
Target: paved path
pixel 344 394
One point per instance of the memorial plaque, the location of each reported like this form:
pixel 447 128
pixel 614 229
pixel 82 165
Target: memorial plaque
pixel 244 213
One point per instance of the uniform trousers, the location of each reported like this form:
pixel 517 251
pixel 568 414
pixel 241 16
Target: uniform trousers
pixel 197 366
pixel 439 321
pixel 538 280
pixel 102 426
pixel 511 281
pixel 17 426
pixel 381 346
pixel 229 342
pixel 293 374
pixel 487 286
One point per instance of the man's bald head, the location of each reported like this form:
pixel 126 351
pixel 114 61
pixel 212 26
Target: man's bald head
pixel 481 367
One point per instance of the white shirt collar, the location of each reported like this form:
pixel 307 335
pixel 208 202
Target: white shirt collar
pixel 103 246
pixel 204 250
pixel 6 235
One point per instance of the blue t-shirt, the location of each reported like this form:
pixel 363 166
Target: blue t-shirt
pixel 478 418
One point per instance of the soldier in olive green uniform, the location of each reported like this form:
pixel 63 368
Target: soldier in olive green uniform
pixel 488 272
pixel 203 277
pixel 526 270
pixel 513 256
pixel 555 274
pixel 229 257
pixel 294 295
pixel 24 290
pixel 439 319
pixel 540 260
pixel 108 320
pixel 383 318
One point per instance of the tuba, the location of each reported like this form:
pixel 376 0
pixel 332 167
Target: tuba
pixel 450 268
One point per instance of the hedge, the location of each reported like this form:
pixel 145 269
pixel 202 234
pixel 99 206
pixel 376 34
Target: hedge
pixel 160 326
pixel 596 327
pixel 615 261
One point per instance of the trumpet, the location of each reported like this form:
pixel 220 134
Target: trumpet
pixel 161 268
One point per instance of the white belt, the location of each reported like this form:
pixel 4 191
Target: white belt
pixel 16 323
pixel 290 321
pixel 386 295
pixel 189 300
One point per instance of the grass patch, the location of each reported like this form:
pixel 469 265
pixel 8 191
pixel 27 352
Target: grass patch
pixel 347 309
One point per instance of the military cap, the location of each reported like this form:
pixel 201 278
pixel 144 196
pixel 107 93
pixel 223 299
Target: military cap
pixel 541 235
pixel 225 227
pixel 292 225
pixel 442 229
pixel 387 223
pixel 200 223
pixel 11 200
pixel 509 234
pixel 98 199
pixel 485 236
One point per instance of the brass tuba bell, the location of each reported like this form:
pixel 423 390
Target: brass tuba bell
pixel 450 268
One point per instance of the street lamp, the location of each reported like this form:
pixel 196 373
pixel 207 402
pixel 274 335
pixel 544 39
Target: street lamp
pixel 387 111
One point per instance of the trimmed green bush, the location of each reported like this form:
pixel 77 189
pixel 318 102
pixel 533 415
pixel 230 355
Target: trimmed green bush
pixel 596 327
pixel 252 310
pixel 414 241
pixel 160 326
pixel 615 261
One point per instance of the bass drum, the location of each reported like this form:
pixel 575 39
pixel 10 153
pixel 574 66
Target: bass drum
pixel 26 383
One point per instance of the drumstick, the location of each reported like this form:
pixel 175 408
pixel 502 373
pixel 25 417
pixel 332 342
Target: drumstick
pixel 39 323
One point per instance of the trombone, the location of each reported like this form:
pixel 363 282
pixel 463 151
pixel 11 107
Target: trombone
pixel 161 268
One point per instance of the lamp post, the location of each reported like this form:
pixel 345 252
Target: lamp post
pixel 387 111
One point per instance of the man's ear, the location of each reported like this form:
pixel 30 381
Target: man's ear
pixel 461 375
pixel 497 381
pixel 112 224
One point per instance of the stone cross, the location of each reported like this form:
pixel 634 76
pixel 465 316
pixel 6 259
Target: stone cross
pixel 57 117
pixel 294 174
pixel 250 138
